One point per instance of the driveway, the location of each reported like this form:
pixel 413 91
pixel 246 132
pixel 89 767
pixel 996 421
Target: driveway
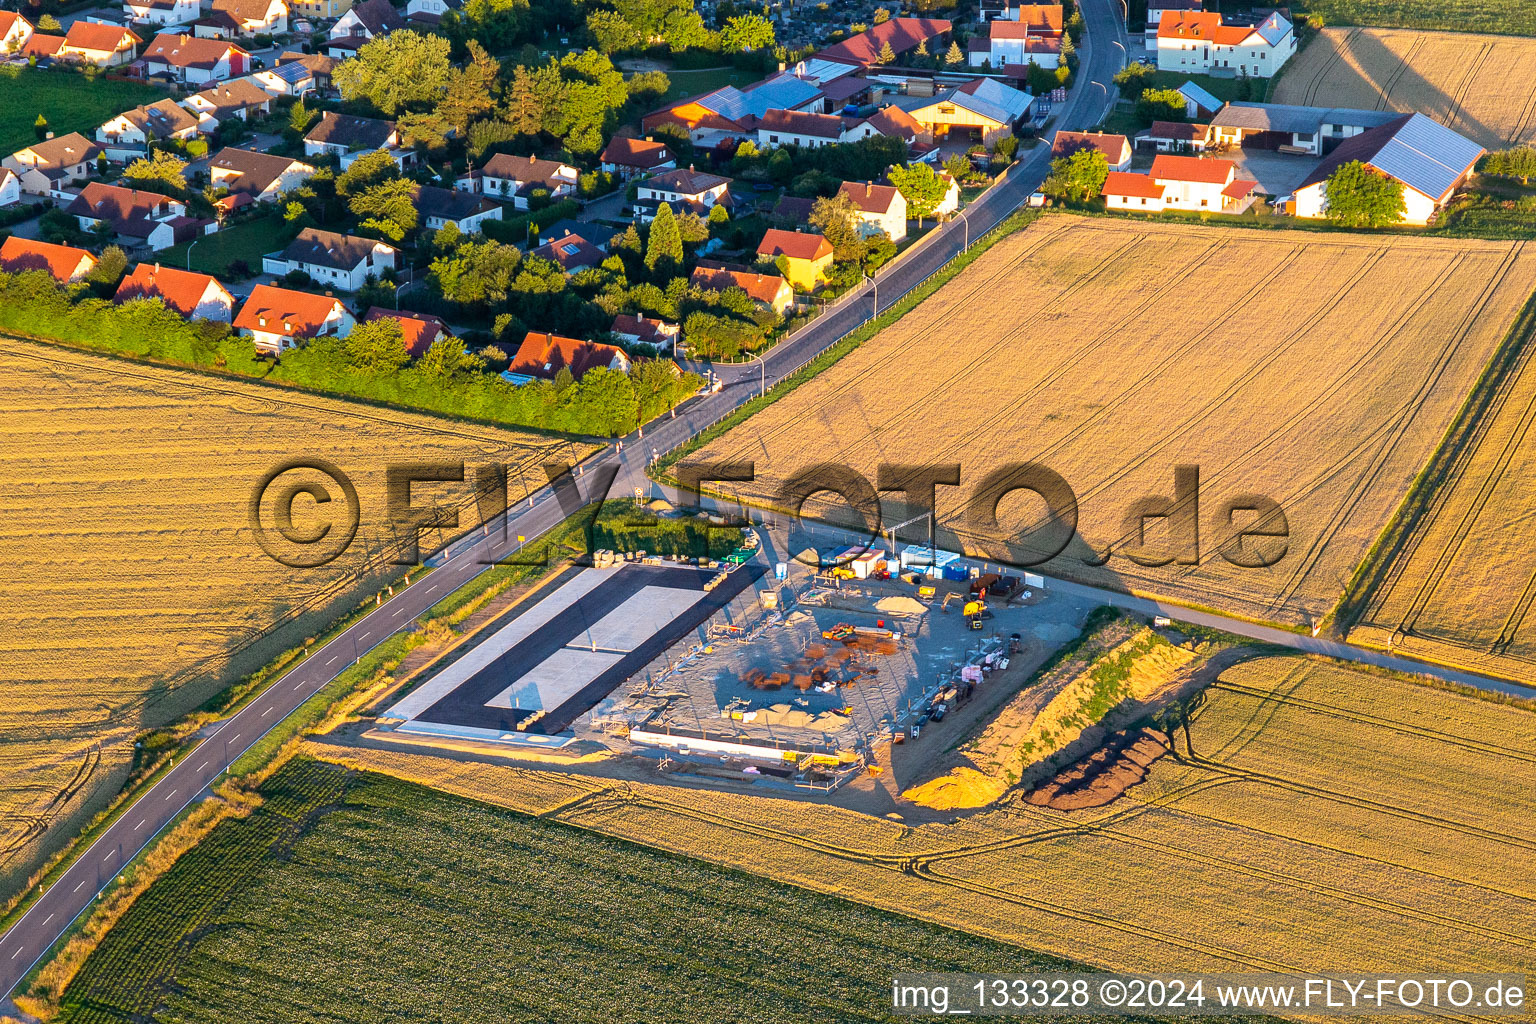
pixel 1278 174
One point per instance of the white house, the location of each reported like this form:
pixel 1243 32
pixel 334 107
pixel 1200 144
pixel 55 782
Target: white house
pixel 1034 37
pixel 195 61
pixel 193 295
pixel 366 21
pixel 682 189
pixel 346 138
pixel 1426 158
pixel 642 330
pixel 1157 8
pixel 14 32
pixel 518 178
pixel 431 9
pixel 98 43
pixel 262 176
pixel 162 13
pixel 146 217
pixel 440 207
pixel 634 158
pixel 253 17
pixel 798 128
pixel 48 166
pixel 291 79
pixel 10 187
pixel 1179 183
pixel 1198 41
pixel 237 98
pixel 333 260
pixel 153 122
pixel 1116 148
pixel 277 319
pixel 881 208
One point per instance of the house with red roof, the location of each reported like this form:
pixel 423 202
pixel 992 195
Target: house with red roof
pixel 903 35
pixel 682 189
pixel 768 290
pixel 195 61
pixel 634 158
pixel 798 128
pixel 880 207
pixel 278 319
pixel 104 45
pixel 42 44
pixel 804 258
pixel 1180 183
pixel 1116 148
pixel 140 218
pixel 419 331
pixel 1201 41
pixel 66 263
pixel 193 295
pixel 571 253
pixel 1031 34
pixel 642 330
pixel 542 357
pixel 14 32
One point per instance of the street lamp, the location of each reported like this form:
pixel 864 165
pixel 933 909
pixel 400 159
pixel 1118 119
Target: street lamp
pixel 189 251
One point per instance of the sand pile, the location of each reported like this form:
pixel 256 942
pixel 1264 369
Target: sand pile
pixel 901 605
pixel 961 789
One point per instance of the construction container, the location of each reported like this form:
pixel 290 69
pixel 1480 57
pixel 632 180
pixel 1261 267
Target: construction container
pixel 769 599
pixel 1034 580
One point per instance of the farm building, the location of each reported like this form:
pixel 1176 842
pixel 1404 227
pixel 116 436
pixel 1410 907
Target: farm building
pixel 184 292
pixel 65 263
pixel 1200 41
pixel 1428 159
pixel 1198 103
pixel 983 107
pixel 278 319
pixel 798 128
pixel 732 113
pixel 902 35
pixel 806 256
pixel 1303 130
pixel 1176 137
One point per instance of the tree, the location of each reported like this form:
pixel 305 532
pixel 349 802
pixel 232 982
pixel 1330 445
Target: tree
pixel 664 247
pixel 1519 162
pixel 718 216
pixel 882 15
pixel 109 268
pixel 1135 79
pixel 388 208
pixel 838 219
pixel 428 129
pixel 160 169
pixel 611 33
pixel 1077 177
pixel 1360 197
pixel 299 118
pixel 953 55
pixel 747 32
pixel 395 71
pixel 477 273
pixel 377 346
pixel 48 23
pixel 887 55
pixel 448 357
pixel 40 127
pixel 368 169
pixel 471 91
pixel 1161 105
pixel 958 166
pixel 923 189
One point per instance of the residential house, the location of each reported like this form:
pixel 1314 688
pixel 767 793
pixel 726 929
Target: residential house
pixel 543 356
pixel 255 17
pixel 320 10
pixel 634 158
pixel 10 187
pixel 333 260
pixel 1035 37
pixel 891 122
pixel 793 210
pixel 1427 159
pixel 319 65
pixel 951 201
pixel 440 207
pixel 1311 131
pixel 162 13
pixel 48 166
pixel 262 176
pixel 430 12
pixel 520 178
pixel 768 290
pixel 41 45
pixel 804 258
pixel 902 35
pixel 146 218
pixel 189 294
pixel 153 122
pixel 984 108
pixel 1155 11
pixel 641 330
pixel 66 263
pixel 682 189
pixel 592 234
pixel 1180 183
pixel 1199 42
pixel 195 61
pixel 1116 148
pixel 346 138
pixel 365 21
pixel 419 331
pixel 286 80
pixel 798 128
pixel 14 32
pixel 1176 137
pixel 571 252
pixel 277 319
pixel 239 98
pixel 730 113
pixel 880 208
pixel 103 45
pixel 1199 104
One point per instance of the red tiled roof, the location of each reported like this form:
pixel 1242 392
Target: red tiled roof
pixel 1137 186
pixel 1239 188
pixel 628 152
pixel 1114 147
pixel 902 33
pixel 870 198
pixel 543 355
pixel 180 290
pixel 764 288
pixel 8 20
pixel 62 261
pixel 1193 168
pixel 1178 131
pixel 797 245
pixel 42 45
pixel 90 35
pixel 285 311
pixel 1198 25
pixel 895 122
pixel 652 332
pixel 800 122
pixel 417 330
pixel 114 203
pixel 1041 18
pixel 184 51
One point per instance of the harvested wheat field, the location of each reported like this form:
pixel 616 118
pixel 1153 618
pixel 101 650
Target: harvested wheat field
pixel 1456 581
pixel 135 586
pixel 1317 371
pixel 1482 86
pixel 1309 794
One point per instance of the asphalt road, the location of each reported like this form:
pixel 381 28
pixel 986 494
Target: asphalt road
pixel 45 921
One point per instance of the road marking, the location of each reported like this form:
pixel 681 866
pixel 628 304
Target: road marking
pixel 366 635
pixel 50 918
pixel 202 766
pixel 298 684
pixel 266 712
pixel 432 588
pixel 170 794
pixel 81 885
pixel 140 824
pixel 333 658
pixel 17 953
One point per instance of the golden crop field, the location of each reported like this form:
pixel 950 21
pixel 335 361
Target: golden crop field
pixel 1316 370
pixel 135 589
pixel 1310 793
pixel 1482 86
pixel 1457 585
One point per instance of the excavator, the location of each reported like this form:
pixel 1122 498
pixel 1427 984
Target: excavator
pixel 973 612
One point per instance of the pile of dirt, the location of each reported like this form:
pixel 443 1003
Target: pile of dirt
pixel 961 789
pixel 900 604
pixel 1103 776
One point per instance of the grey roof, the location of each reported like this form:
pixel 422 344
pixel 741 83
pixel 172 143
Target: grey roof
pixel 1273 28
pixel 1281 117
pixel 781 92
pixel 1419 152
pixel 318 248
pixel 293 72
pixel 685 181
pixel 450 204
pixel 1192 91
pixel 336 129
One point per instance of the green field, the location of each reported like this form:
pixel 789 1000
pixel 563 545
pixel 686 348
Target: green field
pixel 1512 17
pixel 70 102
pixel 359 898
pixel 247 241
pixel 692 83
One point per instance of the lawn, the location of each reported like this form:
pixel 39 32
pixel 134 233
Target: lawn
pixel 692 83
pixel 362 898
pixel 1507 17
pixel 247 241
pixel 70 102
